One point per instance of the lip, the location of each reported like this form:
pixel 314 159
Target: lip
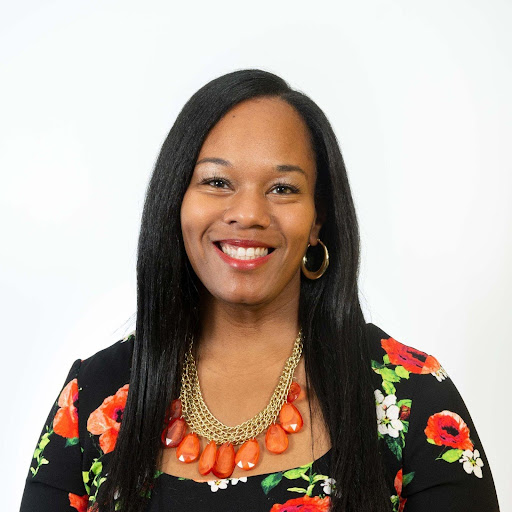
pixel 238 242
pixel 243 264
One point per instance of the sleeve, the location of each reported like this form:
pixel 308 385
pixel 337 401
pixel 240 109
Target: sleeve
pixel 444 463
pixel 54 481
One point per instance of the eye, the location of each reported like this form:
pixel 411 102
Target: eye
pixel 217 181
pixel 291 189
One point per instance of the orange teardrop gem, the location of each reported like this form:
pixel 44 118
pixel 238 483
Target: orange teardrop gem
pixel 248 454
pixel 175 410
pixel 293 392
pixel 290 418
pixel 276 439
pixel 188 449
pixel 225 461
pixel 207 459
pixel 173 435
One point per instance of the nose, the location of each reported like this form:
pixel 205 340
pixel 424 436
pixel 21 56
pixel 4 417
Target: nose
pixel 249 209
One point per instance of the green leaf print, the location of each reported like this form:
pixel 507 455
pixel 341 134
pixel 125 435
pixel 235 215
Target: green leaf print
pixel 303 472
pixel 388 387
pixel 96 467
pixel 377 366
pixel 406 479
pixel 297 489
pixel 395 445
pixel 268 483
pixel 38 452
pixel 71 441
pixel 402 372
pixel 451 455
pixel 85 478
pixel 386 359
pixel 389 375
pixel 318 478
pixel 406 401
pixel 292 474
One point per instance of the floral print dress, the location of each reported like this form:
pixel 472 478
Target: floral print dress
pixel 434 458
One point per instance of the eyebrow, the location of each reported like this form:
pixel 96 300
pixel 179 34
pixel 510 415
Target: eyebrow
pixel 281 168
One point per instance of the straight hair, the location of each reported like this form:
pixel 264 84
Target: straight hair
pixel 335 341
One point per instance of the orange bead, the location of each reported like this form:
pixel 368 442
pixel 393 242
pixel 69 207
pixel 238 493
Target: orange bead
pixel 276 439
pixel 188 449
pixel 248 454
pixel 290 418
pixel 207 459
pixel 175 410
pixel 173 435
pixel 224 461
pixel 293 392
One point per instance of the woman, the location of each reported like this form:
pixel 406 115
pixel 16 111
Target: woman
pixel 248 314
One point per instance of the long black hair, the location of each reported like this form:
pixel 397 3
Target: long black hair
pixel 336 351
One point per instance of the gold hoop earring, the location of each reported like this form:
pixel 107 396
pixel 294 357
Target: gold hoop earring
pixel 317 273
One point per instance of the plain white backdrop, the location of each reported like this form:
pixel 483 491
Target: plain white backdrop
pixel 418 94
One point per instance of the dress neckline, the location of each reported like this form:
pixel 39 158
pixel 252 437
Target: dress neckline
pixel 320 459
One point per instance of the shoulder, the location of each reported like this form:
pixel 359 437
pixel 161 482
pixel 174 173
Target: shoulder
pixel 104 373
pixel 388 351
pixel 114 359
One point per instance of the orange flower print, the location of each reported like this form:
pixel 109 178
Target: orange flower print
pixel 304 504
pixel 448 428
pixel 398 487
pixel 105 421
pixel 411 359
pixel 78 502
pixel 65 422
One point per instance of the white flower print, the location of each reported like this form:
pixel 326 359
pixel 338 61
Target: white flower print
pixel 327 485
pixel 387 414
pixel 215 485
pixel 440 374
pixel 234 481
pixel 471 462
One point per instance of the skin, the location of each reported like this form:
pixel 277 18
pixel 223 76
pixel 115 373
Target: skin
pixel 250 317
pixel 259 306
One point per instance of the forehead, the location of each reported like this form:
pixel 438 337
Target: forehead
pixel 263 131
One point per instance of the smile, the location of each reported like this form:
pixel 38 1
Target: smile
pixel 244 253
pixel 243 258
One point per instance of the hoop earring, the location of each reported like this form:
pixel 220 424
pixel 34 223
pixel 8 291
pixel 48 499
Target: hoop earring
pixel 317 273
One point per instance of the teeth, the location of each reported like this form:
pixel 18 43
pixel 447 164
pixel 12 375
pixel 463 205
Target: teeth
pixel 244 253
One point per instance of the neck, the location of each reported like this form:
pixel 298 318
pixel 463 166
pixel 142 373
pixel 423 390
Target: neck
pixel 253 337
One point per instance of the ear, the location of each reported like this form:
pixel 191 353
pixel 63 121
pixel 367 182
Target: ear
pixel 320 217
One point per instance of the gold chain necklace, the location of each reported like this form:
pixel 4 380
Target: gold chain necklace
pixel 191 410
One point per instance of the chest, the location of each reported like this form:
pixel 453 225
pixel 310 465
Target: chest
pixel 233 404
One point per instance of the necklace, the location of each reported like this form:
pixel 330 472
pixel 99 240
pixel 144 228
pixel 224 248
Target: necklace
pixel 190 410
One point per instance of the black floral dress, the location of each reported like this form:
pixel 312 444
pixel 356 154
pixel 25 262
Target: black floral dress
pixel 433 454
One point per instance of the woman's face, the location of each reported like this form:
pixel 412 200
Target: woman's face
pixel 252 190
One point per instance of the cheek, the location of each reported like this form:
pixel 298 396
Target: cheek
pixel 297 223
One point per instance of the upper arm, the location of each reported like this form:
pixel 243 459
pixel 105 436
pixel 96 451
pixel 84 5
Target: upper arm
pixel 443 455
pixel 54 481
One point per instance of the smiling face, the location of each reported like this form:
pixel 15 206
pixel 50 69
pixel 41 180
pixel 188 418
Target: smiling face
pixel 253 186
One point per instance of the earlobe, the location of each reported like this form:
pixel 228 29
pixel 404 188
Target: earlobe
pixel 315 230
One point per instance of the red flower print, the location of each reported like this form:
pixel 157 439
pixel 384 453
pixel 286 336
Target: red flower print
pixel 304 504
pixel 448 429
pixel 405 412
pixel 65 422
pixel 105 421
pixel 78 502
pixel 398 488
pixel 411 359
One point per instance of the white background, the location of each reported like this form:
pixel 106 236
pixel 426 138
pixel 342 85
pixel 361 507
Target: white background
pixel 418 94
